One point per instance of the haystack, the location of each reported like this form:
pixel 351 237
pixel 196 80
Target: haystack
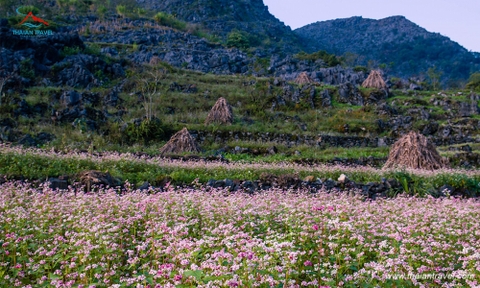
pixel 303 78
pixel 374 80
pixel 181 142
pixel 414 151
pixel 221 113
pixel 155 60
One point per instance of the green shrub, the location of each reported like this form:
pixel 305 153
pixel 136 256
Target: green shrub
pixel 93 49
pixel 238 39
pixel 121 10
pixel 474 82
pixel 141 12
pixel 26 69
pixel 67 51
pixel 143 131
pixel 360 69
pixel 329 59
pixel 101 11
pixel 169 20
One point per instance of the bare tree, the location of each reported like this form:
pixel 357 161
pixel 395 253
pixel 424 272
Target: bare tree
pixel 150 89
pixel 434 74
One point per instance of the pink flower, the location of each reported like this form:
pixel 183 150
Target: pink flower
pixel 308 263
pixel 177 277
pixel 315 227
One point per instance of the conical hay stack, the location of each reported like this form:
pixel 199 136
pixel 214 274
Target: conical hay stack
pixel 303 78
pixel 221 113
pixel 414 151
pixel 155 60
pixel 181 142
pixel 374 80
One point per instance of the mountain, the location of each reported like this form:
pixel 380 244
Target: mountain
pixel 251 17
pixel 404 48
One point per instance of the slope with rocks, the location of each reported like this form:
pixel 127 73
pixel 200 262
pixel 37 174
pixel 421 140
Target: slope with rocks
pixel 221 17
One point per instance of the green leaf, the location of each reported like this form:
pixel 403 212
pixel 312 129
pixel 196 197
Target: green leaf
pixel 197 274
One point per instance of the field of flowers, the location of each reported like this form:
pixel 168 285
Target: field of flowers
pixel 212 238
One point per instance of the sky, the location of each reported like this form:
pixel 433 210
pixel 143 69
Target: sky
pixel 458 20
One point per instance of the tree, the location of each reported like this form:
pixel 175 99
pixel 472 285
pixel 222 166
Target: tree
pixel 237 39
pixel 434 76
pixel 150 89
pixel 474 82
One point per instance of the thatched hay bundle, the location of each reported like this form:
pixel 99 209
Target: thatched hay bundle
pixel 221 113
pixel 374 80
pixel 415 151
pixel 155 60
pixel 303 78
pixel 181 142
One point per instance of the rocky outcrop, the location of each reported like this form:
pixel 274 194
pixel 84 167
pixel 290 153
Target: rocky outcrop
pixel 26 60
pixel 223 16
pixel 289 68
pixel 85 71
pixel 349 93
pixel 179 49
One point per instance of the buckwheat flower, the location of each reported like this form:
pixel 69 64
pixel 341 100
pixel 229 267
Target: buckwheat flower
pixel 184 262
pixel 232 283
pixel 307 263
pixel 177 277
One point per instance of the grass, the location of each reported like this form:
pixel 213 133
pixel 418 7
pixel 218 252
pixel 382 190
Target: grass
pixel 250 97
pixel 39 164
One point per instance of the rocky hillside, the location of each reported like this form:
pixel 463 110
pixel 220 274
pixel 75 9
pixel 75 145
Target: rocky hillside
pixel 406 48
pixel 221 17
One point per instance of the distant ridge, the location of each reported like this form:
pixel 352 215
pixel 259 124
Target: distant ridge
pixel 404 48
